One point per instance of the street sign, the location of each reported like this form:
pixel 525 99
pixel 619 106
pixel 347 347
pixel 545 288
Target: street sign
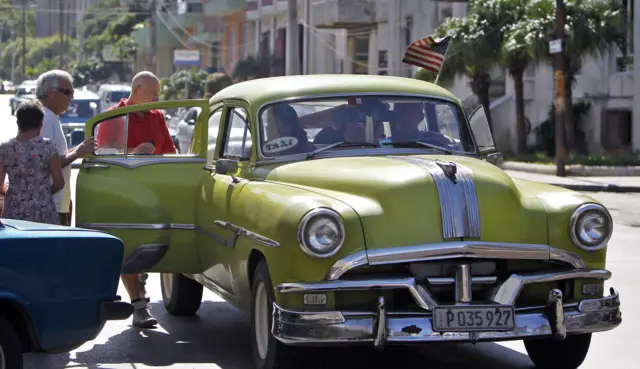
pixel 555 46
pixel 186 57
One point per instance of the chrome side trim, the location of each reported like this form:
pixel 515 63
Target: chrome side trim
pixel 452 250
pixel 239 231
pixel 420 295
pixel 458 199
pixel 297 328
pixel 510 290
pixel 138 226
pixel 132 162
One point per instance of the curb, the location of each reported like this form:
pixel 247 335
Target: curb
pixel 598 188
pixel 573 170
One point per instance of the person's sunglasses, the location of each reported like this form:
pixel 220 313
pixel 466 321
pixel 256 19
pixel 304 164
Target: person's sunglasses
pixel 66 91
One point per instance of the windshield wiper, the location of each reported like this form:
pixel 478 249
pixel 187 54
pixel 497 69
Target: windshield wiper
pixel 419 143
pixel 340 144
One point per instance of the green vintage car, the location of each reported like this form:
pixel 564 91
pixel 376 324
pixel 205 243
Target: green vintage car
pixel 350 209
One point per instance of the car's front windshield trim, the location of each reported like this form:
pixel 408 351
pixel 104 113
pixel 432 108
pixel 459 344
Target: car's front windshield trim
pixel 295 99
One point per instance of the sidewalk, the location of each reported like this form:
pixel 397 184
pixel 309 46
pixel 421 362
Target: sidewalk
pixel 590 184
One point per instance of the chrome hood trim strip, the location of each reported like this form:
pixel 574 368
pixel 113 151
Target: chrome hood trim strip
pixel 452 250
pixel 458 198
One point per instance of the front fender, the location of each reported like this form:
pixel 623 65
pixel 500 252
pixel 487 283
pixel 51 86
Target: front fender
pixel 560 206
pixel 274 210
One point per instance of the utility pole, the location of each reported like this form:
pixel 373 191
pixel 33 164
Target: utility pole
pixel 155 6
pixel 557 47
pixel 61 32
pixel 24 39
pixel 306 64
pixel 293 40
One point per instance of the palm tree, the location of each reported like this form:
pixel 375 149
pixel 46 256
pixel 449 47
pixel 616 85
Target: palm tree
pixel 521 47
pixel 594 27
pixel 474 51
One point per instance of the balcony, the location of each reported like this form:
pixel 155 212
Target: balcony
pixel 344 13
pixel 225 7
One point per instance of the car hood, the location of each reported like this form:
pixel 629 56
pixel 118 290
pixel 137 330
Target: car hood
pixel 398 201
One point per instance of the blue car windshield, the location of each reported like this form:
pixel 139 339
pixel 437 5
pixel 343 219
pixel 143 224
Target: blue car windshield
pixel 80 109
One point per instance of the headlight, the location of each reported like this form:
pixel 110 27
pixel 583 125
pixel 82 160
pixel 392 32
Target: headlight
pixel 591 227
pixel 321 233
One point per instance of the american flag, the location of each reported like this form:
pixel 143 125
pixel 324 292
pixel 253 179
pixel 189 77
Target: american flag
pixel 427 53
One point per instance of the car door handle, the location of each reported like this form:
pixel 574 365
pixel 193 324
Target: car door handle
pixel 92 166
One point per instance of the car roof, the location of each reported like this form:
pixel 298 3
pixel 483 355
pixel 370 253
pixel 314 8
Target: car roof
pixel 85 95
pixel 262 90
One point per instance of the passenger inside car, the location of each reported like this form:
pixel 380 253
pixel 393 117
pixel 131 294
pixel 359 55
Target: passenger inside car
pixel 405 120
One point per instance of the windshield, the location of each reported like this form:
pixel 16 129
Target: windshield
pixel 80 109
pixel 307 125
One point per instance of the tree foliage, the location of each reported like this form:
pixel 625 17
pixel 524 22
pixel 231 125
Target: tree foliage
pixel 107 21
pixel 173 87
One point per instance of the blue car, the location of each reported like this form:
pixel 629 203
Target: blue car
pixel 57 288
pixel 85 104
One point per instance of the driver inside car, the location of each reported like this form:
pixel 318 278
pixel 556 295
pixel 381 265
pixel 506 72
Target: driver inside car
pixel 405 119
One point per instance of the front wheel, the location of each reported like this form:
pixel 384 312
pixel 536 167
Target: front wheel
pixel 268 352
pixel 10 346
pixel 567 354
pixel 181 295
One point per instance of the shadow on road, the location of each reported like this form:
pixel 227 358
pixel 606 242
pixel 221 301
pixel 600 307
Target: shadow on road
pixel 219 335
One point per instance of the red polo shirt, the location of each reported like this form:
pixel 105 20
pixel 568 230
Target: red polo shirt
pixel 143 127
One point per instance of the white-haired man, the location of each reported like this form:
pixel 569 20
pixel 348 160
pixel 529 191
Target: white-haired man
pixel 54 89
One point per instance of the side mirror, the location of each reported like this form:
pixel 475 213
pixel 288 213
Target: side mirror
pixel 227 167
pixel 495 158
pixel 191 122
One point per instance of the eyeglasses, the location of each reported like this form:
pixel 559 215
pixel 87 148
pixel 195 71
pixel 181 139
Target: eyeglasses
pixel 66 91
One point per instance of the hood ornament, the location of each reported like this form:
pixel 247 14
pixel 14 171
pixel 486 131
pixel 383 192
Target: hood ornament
pixel 449 168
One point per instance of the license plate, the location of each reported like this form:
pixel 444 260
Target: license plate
pixel 473 318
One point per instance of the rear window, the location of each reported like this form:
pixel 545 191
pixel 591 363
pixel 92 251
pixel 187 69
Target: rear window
pixel 116 96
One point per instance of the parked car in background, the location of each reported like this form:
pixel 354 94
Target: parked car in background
pixel 56 293
pixel 85 104
pixel 111 94
pixel 391 226
pixel 184 128
pixel 25 91
pixel 8 87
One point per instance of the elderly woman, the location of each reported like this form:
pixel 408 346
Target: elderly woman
pixel 33 166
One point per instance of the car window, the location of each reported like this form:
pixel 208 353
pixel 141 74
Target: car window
pixel 112 132
pixel 390 122
pixel 214 125
pixel 238 136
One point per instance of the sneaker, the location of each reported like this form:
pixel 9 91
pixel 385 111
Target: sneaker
pixel 142 318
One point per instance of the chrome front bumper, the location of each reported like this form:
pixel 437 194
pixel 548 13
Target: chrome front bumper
pixel 335 327
pixel 555 319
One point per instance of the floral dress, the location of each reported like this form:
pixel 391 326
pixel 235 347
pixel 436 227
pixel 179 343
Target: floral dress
pixel 29 196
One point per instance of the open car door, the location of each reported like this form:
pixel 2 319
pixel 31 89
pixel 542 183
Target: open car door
pixel 483 136
pixel 145 200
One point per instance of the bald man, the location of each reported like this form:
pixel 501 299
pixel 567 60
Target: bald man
pixel 147 134
pixel 147 130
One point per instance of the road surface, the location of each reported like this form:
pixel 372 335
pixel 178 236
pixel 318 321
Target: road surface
pixel 219 336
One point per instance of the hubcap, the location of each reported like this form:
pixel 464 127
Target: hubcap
pixel 262 321
pixel 167 284
pixel 2 359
